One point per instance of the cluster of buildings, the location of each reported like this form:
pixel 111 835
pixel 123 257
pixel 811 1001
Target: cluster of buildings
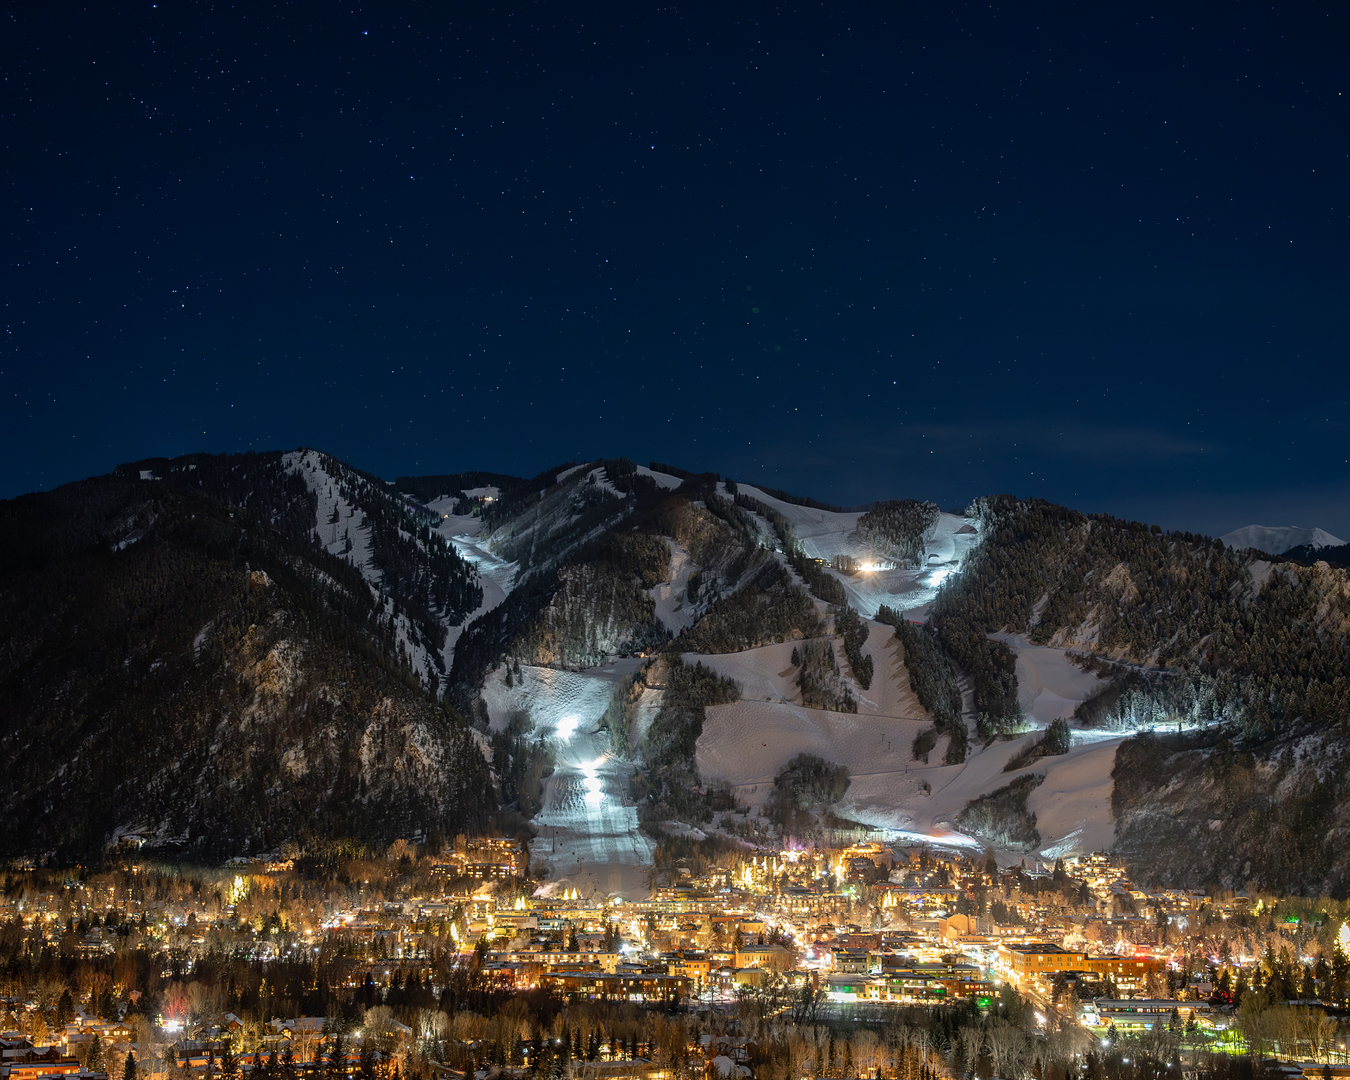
pixel 863 923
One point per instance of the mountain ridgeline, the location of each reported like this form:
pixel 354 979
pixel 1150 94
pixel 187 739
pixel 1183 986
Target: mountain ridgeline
pixel 185 663
pixel 212 655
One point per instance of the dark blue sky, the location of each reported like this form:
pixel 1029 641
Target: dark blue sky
pixel 854 251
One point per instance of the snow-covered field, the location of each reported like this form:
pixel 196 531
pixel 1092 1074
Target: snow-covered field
pixel 747 743
pixel 1048 685
pixel 588 828
pixel 767 674
pixel 496 576
pixel 824 534
pixel 664 480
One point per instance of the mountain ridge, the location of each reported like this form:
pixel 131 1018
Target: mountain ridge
pixel 241 650
pixel 1279 539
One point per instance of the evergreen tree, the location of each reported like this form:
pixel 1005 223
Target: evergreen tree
pixel 129 1069
pixel 337 1059
pixel 94 1063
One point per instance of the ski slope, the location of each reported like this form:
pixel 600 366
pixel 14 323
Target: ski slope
pixel 747 743
pixel 767 674
pixel 670 596
pixel 588 834
pixel 349 538
pixel 496 576
pixel 1048 685
pixel 824 534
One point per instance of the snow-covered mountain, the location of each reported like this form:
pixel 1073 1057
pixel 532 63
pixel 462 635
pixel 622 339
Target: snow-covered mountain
pixel 1277 539
pixel 242 650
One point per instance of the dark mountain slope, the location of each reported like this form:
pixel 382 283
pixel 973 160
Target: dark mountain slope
pixel 1254 653
pixel 1306 555
pixel 1205 808
pixel 1238 638
pixel 181 660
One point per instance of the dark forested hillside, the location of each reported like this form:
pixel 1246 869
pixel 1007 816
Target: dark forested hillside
pixel 1207 808
pixel 1252 656
pixel 897 529
pixel 1265 643
pixel 181 661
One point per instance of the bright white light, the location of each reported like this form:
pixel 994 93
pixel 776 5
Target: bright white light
pixel 593 783
pixel 567 726
pixel 594 799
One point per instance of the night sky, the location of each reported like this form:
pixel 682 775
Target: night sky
pixel 858 252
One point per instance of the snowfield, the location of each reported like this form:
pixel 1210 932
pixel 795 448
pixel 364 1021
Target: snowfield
pixel 824 534
pixel 665 480
pixel 767 674
pixel 746 744
pixel 749 742
pixel 1049 686
pixel 588 828
pixel 1277 539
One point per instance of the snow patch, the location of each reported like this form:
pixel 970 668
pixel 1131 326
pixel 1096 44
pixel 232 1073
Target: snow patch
pixel 1277 539
pixel 669 596
pixel 1049 685
pixel 664 480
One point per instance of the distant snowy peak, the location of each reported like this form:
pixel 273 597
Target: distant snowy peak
pixel 1277 539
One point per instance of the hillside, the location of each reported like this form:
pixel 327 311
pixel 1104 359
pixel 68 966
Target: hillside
pixel 244 650
pixel 1191 636
pixel 216 654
